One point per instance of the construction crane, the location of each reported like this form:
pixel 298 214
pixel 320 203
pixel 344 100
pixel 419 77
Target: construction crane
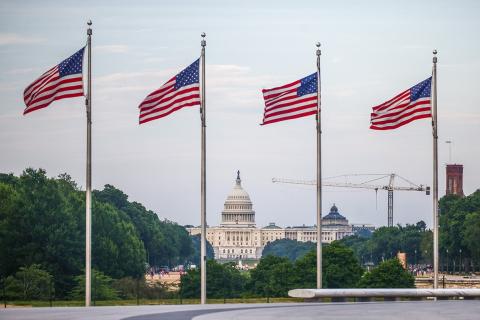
pixel 390 187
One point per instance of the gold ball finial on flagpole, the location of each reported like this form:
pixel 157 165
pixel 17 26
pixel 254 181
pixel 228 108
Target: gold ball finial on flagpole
pixel 434 55
pixel 319 52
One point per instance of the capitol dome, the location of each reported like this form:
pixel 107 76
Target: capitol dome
pixel 237 210
pixel 334 217
pixel 238 193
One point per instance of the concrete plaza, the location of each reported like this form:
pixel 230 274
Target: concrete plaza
pixel 424 310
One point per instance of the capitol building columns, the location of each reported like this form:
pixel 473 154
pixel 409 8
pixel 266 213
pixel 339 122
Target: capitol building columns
pixel 238 238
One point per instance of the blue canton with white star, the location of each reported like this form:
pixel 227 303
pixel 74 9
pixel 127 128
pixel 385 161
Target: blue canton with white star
pixel 308 85
pixel 188 76
pixel 421 90
pixel 72 65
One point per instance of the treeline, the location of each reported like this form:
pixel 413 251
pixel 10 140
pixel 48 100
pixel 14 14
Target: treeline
pixel 371 248
pixel 460 232
pixel 275 275
pixel 459 229
pixel 42 224
pixel 288 248
pixel 385 242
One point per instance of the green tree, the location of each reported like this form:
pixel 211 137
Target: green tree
pixel 472 234
pixel 102 287
pixel 178 245
pixel 341 268
pixel 223 281
pixel 282 279
pixel 458 227
pixel 233 281
pixel 386 242
pixel 291 249
pixel 116 248
pixel 360 245
pixel 426 247
pixel 412 237
pixel 305 270
pixel 389 274
pixel 165 242
pixel 195 256
pixel 30 283
pixel 8 201
pixel 41 226
pixel 42 221
pixel 272 277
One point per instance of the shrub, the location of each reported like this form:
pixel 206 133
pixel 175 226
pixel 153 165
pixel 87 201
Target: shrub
pixel 29 283
pixel 388 274
pixel 102 288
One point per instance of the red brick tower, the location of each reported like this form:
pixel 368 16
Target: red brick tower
pixel 455 179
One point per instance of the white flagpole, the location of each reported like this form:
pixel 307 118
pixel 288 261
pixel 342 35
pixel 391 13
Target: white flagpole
pixel 435 170
pixel 88 193
pixel 203 245
pixel 319 174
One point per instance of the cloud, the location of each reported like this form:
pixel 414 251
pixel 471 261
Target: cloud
pixel 112 48
pixel 154 60
pixel 229 68
pixel 226 85
pixel 461 117
pixel 414 47
pixel 7 87
pixel 231 76
pixel 20 71
pixel 13 38
pixel 133 81
pixel 336 60
pixel 219 78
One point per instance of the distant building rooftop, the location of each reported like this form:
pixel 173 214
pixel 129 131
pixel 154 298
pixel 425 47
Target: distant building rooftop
pixel 334 214
pixel 272 225
pixel 301 227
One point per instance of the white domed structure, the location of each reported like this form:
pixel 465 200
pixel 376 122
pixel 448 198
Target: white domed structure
pixel 237 238
pixel 237 210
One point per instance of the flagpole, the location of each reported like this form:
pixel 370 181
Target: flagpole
pixel 319 173
pixel 88 193
pixel 435 171
pixel 203 247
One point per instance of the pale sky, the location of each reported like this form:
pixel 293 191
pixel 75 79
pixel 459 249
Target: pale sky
pixel 371 51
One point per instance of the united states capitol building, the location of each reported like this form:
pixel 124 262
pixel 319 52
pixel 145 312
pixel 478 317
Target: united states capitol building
pixel 238 236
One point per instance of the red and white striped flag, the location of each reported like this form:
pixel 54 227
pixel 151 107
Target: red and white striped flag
pixel 181 91
pixel 410 105
pixel 61 82
pixel 291 101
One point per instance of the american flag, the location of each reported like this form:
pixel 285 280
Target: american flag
pixel 60 82
pixel 410 105
pixel 181 91
pixel 291 101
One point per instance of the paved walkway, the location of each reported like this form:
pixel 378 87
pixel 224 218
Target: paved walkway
pixel 423 310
